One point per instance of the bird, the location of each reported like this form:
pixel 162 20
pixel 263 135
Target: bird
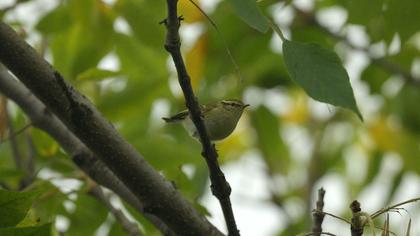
pixel 220 118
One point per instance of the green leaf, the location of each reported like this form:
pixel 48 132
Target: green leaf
pixel 41 230
pixel 49 203
pixel 395 184
pixel 146 226
pixel 117 230
pixel 375 162
pixel 375 77
pixel 312 34
pixel 88 216
pixel 14 206
pixel 147 12
pixel 320 73
pixel 46 146
pixel 97 74
pixel 11 174
pixel 169 153
pixel 87 39
pixel 139 59
pixel 57 20
pixel 201 209
pixel 363 12
pixel 249 12
pixel 261 69
pixel 405 58
pixel 402 105
pixel 270 143
pixel 402 16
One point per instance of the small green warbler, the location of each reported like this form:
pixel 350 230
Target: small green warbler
pixel 220 118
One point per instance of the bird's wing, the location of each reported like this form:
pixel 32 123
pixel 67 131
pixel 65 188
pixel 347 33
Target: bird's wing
pixel 207 107
pixel 177 117
pixel 183 114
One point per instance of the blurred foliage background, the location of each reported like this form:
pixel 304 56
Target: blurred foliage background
pixel 112 51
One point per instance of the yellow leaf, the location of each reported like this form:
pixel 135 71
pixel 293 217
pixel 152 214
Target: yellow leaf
pixel 195 60
pixel 189 11
pixel 298 112
pixel 390 137
pixel 386 134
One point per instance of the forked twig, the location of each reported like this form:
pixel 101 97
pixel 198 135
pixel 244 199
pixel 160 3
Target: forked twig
pixel 383 210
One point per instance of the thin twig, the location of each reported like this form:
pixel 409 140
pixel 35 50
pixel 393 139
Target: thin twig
pixel 379 212
pixel 337 217
pixel 14 134
pixel 17 157
pixel 385 231
pixel 219 186
pixel 345 220
pixel 29 163
pixel 318 215
pixel 130 227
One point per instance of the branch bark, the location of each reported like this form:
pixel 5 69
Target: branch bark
pixel 158 195
pixel 79 153
pixel 356 227
pixel 219 186
pixel 318 215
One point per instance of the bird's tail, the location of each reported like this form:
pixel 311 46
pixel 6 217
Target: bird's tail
pixel 176 118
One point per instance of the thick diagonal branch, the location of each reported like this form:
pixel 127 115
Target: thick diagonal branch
pixel 79 153
pixel 219 186
pixel 158 195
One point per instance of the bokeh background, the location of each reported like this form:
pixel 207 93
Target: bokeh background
pixel 286 145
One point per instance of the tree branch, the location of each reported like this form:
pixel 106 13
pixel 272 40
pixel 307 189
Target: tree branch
pixel 158 195
pixel 219 186
pixel 356 221
pixel 80 154
pixel 318 215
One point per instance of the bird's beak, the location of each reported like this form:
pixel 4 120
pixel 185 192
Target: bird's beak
pixel 246 105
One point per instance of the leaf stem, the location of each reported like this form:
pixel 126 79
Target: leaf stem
pixel 276 29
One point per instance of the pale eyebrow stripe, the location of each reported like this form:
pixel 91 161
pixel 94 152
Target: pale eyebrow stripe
pixel 232 103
